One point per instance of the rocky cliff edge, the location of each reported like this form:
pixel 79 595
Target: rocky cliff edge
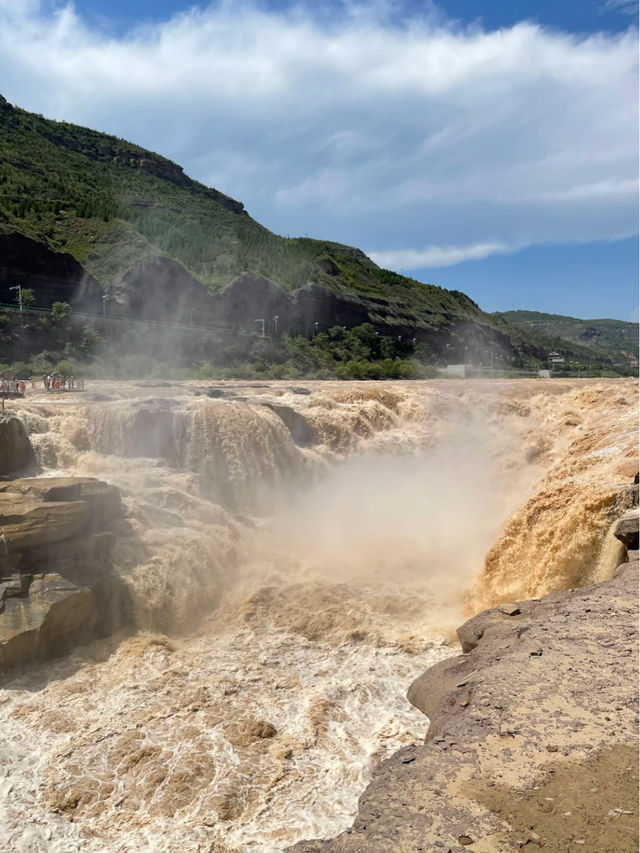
pixel 533 737
pixel 57 583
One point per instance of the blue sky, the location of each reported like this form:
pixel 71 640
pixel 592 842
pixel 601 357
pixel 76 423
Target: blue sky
pixel 489 148
pixel 570 15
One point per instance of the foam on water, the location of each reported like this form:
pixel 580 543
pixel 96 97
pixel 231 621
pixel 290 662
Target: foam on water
pixel 161 746
pixel 286 594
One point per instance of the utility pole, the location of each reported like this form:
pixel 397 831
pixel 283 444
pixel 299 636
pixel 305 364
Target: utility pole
pixel 18 287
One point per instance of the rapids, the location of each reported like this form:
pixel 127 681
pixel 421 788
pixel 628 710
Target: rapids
pixel 295 557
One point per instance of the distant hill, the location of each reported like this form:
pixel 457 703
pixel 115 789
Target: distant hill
pixel 615 340
pixel 107 226
pixel 111 205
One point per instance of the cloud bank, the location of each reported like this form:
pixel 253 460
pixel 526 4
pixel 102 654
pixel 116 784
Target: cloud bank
pixel 420 141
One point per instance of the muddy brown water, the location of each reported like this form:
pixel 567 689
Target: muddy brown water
pixel 286 591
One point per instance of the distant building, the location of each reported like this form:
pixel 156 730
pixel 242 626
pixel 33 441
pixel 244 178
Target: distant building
pixel 456 370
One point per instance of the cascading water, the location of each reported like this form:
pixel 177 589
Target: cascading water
pixel 294 560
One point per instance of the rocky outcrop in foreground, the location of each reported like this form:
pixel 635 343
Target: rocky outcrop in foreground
pixel 17 456
pixel 57 583
pixel 533 736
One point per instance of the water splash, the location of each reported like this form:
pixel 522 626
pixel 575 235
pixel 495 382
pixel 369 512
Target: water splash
pixel 304 585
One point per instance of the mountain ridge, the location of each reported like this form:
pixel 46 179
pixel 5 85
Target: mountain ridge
pixel 149 239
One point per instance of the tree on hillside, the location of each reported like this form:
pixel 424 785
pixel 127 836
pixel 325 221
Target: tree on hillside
pixel 60 313
pixel 28 297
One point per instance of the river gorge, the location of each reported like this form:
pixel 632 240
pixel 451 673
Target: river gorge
pixel 293 556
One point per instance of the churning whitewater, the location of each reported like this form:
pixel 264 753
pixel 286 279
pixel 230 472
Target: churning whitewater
pixel 295 557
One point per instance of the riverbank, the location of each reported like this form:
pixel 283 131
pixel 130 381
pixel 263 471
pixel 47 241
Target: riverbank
pixel 533 737
pixel 293 556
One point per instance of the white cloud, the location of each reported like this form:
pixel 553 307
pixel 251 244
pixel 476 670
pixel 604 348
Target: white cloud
pixel 354 127
pixel 438 256
pixel 627 7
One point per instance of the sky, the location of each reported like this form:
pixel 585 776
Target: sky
pixel 490 148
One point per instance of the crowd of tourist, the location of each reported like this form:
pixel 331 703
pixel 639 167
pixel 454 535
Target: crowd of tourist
pixel 60 382
pixel 13 387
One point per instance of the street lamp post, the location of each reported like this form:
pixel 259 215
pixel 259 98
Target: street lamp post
pixel 104 304
pixel 275 320
pixel 18 287
pixel 315 327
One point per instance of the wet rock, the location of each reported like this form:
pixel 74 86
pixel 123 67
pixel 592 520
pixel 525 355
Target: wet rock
pixel 103 500
pixel 28 523
pixel 627 530
pixel 53 615
pixel 16 586
pixel 298 426
pixel 534 711
pixel 153 430
pixel 57 582
pixel 16 453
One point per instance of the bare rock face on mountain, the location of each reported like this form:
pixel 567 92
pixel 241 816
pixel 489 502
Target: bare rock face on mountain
pixel 53 276
pixel 57 583
pixel 317 304
pixel 252 297
pixel 16 453
pixel 161 289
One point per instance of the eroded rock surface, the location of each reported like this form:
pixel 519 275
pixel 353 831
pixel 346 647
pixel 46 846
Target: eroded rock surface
pixel 533 736
pixel 16 453
pixel 57 583
pixel 627 529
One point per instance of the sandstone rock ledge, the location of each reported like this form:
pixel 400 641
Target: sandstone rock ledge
pixel 533 737
pixel 57 583
pixel 17 456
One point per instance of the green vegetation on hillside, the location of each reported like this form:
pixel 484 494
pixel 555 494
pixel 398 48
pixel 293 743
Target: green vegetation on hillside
pixel 132 350
pixel 110 203
pixel 612 340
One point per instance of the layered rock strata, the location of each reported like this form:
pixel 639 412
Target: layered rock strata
pixel 58 586
pixel 533 735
